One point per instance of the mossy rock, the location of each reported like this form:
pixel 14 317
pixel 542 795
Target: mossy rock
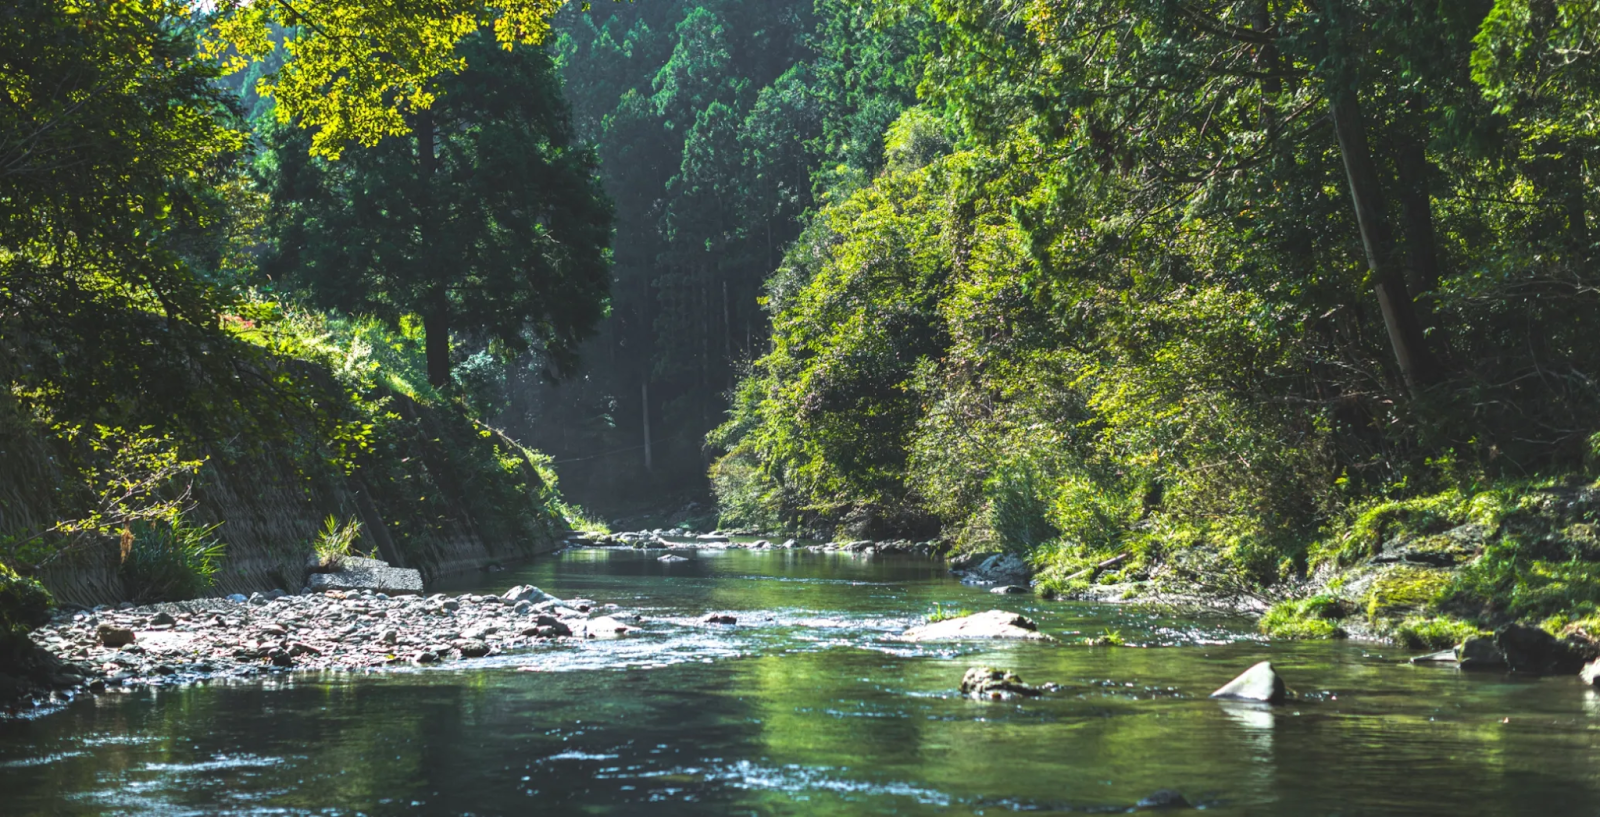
pixel 1452 547
pixel 1307 619
pixel 1434 633
pixel 24 603
pixel 1405 590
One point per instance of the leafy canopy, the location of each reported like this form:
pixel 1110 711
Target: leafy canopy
pixel 356 67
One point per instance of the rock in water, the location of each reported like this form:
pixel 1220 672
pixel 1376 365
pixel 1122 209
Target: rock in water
pixel 988 624
pixel 114 636
pixel 1445 657
pixel 1009 590
pixel 473 649
pixel 1164 799
pixel 1532 650
pixel 1479 652
pixel 720 618
pixel 990 683
pixel 669 559
pixel 1259 683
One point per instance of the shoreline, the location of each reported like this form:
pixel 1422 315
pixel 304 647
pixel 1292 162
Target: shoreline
pixel 175 643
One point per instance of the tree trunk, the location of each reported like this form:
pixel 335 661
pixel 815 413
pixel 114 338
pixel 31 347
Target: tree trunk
pixel 436 312
pixel 1577 208
pixel 644 403
pixel 1422 247
pixel 436 329
pixel 1366 194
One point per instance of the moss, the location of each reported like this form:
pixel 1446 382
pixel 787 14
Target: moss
pixel 1406 590
pixel 24 603
pixel 1434 633
pixel 1306 619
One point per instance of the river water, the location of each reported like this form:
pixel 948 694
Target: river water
pixel 809 707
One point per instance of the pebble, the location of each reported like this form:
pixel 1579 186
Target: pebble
pixel 241 636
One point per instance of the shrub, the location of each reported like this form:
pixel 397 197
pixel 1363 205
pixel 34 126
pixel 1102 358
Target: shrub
pixel 174 561
pixel 24 603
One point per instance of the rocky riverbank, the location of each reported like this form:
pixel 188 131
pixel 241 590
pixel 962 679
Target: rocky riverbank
pixel 110 648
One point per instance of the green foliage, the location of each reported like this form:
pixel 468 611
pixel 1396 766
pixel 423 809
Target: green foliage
pixel 581 522
pixel 24 604
pixel 169 561
pixel 1108 638
pixel 1316 617
pixel 1108 293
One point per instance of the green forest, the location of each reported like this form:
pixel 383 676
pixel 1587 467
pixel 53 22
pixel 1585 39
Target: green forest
pixel 1275 299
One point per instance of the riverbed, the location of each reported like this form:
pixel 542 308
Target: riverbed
pixel 809 705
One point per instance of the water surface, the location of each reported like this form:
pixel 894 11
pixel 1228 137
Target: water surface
pixel 809 707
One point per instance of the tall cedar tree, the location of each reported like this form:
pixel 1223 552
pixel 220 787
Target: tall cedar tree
pixel 487 221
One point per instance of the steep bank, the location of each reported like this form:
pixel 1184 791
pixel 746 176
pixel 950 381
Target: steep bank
pixel 333 427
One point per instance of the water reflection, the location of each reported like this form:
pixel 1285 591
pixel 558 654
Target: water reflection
pixel 808 706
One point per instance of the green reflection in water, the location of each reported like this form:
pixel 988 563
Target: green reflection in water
pixel 809 707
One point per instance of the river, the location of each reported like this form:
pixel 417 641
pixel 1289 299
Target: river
pixel 808 706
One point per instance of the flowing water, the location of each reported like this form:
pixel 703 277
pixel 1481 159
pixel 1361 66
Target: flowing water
pixel 809 707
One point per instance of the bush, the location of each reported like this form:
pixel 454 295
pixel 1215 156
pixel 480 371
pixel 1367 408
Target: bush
pixel 169 561
pixel 24 603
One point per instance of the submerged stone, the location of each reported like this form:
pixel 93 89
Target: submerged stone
pixel 1259 683
pixel 990 683
pixel 1164 799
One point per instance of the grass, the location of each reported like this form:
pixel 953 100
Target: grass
pixel 336 541
pixel 1107 638
pixel 169 561
pixel 942 613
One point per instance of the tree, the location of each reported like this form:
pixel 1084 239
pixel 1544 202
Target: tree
pixel 488 222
